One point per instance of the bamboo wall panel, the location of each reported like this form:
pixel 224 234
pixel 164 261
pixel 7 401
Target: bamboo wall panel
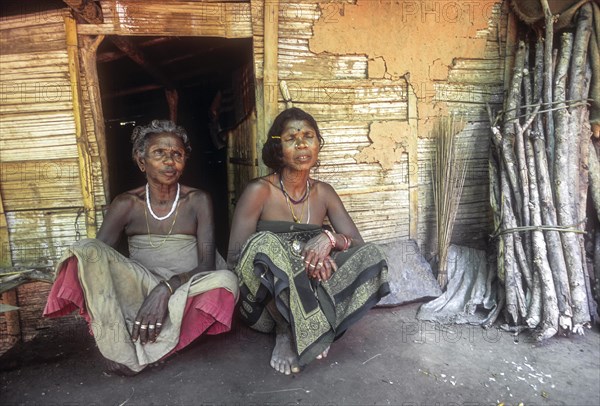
pixel 38 237
pixel 41 18
pixel 376 199
pixel 351 100
pixel 39 172
pixel 49 184
pixel 40 37
pixel 242 165
pixel 133 17
pixel 37 139
pixel 36 111
pixel 296 61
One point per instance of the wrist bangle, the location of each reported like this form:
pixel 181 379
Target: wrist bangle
pixel 347 242
pixel 331 238
pixel 167 284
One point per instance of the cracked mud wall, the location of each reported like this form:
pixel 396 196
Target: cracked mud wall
pixel 451 57
pixel 417 40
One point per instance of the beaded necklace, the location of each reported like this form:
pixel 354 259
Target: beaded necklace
pixel 304 203
pixel 172 207
pixel 287 195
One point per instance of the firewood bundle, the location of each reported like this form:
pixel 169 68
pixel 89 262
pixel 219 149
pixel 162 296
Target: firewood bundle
pixel 539 181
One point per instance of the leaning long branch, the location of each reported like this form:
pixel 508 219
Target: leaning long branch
pixel 567 144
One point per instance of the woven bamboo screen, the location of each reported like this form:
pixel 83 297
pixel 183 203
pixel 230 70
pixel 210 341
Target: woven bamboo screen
pixel 40 183
pixel 40 157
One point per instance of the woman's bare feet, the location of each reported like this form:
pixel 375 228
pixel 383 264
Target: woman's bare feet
pixel 114 368
pixel 284 357
pixel 324 353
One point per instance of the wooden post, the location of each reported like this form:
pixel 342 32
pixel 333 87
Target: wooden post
pixel 231 173
pixel 270 73
pixel 88 63
pixel 253 152
pixel 13 325
pixel 257 8
pixel 413 165
pixel 83 150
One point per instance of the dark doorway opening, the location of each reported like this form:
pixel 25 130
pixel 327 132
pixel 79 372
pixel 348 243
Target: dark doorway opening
pixel 205 73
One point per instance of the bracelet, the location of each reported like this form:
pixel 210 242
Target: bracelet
pixel 347 242
pixel 167 284
pixel 331 238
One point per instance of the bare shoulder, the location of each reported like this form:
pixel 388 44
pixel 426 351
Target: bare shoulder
pixel 195 196
pixel 259 188
pixel 323 188
pixel 119 215
pixel 127 200
pixel 196 202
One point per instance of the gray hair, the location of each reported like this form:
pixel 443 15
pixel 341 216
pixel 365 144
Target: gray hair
pixel 142 133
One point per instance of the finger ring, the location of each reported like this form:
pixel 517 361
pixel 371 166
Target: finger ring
pixel 320 264
pixel 137 323
pixel 311 265
pixel 158 324
pixel 151 326
pixel 307 262
pixel 143 326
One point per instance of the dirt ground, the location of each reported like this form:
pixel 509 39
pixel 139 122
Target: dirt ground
pixel 388 358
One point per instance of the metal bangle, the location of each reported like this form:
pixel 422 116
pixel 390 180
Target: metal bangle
pixel 168 285
pixel 331 238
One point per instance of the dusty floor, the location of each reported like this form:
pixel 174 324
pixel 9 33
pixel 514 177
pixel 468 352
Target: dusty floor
pixel 387 358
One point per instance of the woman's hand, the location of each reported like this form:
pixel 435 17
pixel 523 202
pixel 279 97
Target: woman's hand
pixel 318 263
pixel 326 270
pixel 152 313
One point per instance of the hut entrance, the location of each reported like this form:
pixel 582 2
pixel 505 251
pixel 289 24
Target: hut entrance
pixel 204 84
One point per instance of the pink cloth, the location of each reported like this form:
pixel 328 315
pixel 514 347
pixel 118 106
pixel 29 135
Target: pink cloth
pixel 210 312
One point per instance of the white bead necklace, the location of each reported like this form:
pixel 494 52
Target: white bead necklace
pixel 172 208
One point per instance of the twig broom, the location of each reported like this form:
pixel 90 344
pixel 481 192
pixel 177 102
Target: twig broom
pixel 450 169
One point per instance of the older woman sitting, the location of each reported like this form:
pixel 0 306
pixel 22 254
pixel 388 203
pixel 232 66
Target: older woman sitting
pixel 167 293
pixel 307 282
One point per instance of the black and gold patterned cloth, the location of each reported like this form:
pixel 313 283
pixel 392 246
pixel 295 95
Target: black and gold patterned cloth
pixel 318 312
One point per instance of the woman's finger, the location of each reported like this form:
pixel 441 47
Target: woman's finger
pixel 326 270
pixel 334 266
pixel 152 331
pixel 330 265
pixel 319 270
pixel 310 262
pixel 144 332
pixel 135 332
pixel 158 329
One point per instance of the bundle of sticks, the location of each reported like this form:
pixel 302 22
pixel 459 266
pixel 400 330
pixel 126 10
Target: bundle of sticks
pixel 539 181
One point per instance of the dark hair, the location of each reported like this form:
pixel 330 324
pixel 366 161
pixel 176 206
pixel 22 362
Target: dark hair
pixel 272 155
pixel 142 134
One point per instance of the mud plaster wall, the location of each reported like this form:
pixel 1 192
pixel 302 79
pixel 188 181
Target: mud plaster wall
pixel 452 57
pixel 415 39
